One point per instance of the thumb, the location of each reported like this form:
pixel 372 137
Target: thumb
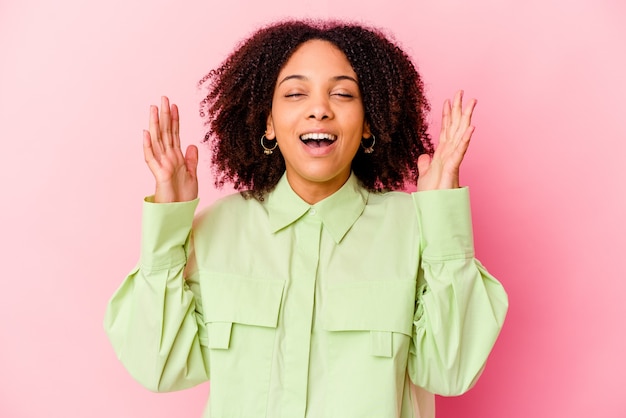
pixel 423 163
pixel 191 159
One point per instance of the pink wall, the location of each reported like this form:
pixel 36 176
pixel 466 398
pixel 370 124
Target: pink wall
pixel 546 170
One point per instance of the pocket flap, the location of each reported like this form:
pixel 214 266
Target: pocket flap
pixel 382 305
pixel 234 299
pixel 220 334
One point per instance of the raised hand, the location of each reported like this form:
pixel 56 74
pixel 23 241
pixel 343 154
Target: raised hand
pixel 442 171
pixel 175 174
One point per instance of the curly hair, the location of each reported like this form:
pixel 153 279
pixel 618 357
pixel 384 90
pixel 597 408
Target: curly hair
pixel 240 92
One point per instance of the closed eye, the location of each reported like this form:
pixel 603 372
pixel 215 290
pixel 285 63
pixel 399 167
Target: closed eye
pixel 343 95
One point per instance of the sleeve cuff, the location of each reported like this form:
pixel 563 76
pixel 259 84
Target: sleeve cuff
pixel 445 222
pixel 165 232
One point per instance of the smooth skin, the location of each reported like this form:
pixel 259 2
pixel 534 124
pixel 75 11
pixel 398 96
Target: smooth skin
pixel 317 92
pixel 176 174
pixel 442 171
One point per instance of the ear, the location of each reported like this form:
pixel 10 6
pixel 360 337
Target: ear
pixel 269 128
pixel 367 133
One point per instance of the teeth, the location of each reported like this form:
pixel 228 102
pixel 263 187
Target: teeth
pixel 318 136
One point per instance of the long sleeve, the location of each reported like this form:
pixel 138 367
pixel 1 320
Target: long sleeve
pixel 460 307
pixel 154 320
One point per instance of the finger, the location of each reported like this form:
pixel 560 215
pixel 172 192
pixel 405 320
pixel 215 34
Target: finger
pixel 148 153
pixel 166 123
pixel 445 120
pixel 457 108
pixel 191 159
pixel 466 118
pixel 463 145
pixel 175 127
pixel 423 163
pixel 155 131
pixel 467 136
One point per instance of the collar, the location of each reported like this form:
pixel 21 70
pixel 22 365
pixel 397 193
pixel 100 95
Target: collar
pixel 338 212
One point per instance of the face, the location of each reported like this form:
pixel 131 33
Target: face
pixel 317 117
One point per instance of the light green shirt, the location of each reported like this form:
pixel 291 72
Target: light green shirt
pixel 336 309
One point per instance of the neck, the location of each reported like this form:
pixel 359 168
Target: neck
pixel 313 192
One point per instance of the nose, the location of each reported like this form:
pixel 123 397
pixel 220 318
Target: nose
pixel 320 107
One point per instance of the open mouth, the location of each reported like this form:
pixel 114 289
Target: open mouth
pixel 318 140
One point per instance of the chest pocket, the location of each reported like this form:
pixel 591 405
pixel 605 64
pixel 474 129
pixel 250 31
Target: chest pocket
pixel 241 316
pixel 230 299
pixel 380 307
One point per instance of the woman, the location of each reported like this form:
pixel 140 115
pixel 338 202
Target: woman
pixel 316 291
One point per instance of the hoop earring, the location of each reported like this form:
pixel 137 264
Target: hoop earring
pixel 266 150
pixel 370 149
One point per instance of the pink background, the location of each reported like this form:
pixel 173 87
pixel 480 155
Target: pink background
pixel 546 170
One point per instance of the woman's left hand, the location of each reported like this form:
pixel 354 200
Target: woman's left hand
pixel 442 171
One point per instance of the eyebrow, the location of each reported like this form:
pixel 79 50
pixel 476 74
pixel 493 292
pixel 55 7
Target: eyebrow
pixel 304 78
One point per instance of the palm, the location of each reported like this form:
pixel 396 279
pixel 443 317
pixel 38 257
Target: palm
pixel 175 173
pixel 442 171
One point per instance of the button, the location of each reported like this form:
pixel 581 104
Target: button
pixel 312 211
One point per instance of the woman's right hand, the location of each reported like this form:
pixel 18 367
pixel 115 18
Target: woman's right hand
pixel 175 174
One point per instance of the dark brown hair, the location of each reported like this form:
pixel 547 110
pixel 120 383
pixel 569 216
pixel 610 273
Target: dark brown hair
pixel 240 92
